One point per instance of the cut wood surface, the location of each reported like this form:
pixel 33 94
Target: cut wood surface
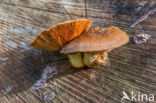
pixel 132 69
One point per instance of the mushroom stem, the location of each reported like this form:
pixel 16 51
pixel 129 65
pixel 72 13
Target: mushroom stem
pixel 96 59
pixel 76 60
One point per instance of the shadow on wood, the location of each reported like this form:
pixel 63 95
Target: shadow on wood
pixel 21 71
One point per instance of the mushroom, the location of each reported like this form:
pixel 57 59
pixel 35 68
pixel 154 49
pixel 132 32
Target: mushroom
pixel 91 49
pixel 55 37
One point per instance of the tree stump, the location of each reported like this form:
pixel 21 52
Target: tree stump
pixel 132 69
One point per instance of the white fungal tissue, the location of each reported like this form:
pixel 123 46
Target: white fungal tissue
pixel 141 38
pixel 47 73
pixel 49 97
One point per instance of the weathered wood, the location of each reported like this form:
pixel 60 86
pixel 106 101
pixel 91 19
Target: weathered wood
pixel 133 67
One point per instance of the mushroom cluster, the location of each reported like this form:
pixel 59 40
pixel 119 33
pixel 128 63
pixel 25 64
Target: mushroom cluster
pixel 84 46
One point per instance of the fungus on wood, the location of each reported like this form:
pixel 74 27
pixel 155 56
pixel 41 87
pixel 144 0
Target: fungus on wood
pixel 94 46
pixel 56 36
pixel 84 47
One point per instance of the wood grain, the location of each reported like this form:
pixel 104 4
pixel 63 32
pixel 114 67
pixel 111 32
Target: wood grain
pixel 133 67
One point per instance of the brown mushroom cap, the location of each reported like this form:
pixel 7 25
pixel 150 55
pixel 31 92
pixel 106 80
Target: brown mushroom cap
pixel 97 39
pixel 55 37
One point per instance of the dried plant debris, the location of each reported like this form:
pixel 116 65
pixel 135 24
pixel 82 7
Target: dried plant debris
pixel 152 11
pixel 47 73
pixel 145 16
pixel 48 97
pixel 3 59
pixel 8 90
pixel 141 38
pixel 11 44
pixel 25 49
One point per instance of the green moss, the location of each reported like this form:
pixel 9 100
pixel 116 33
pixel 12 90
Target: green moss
pixel 76 60
pixel 92 59
pixel 89 59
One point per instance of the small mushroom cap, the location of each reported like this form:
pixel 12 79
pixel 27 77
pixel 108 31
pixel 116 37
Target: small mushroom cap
pixel 55 37
pixel 97 39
